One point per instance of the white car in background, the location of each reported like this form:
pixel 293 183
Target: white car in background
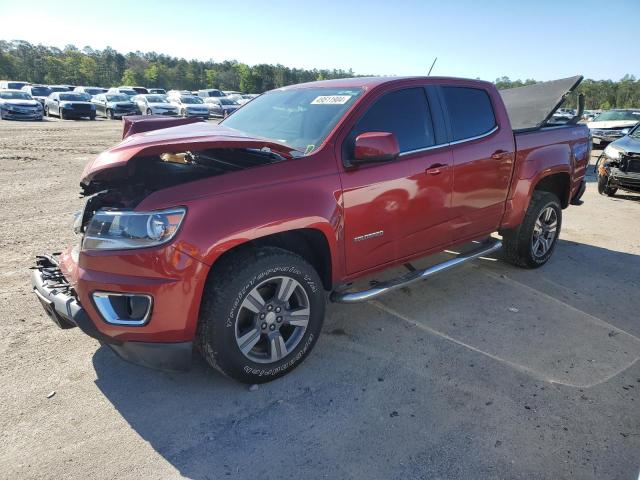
pixel 19 105
pixel 613 124
pixel 189 106
pixel 150 104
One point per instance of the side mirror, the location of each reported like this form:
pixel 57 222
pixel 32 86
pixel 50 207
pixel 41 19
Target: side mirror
pixel 375 147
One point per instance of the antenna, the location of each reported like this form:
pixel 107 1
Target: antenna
pixel 434 62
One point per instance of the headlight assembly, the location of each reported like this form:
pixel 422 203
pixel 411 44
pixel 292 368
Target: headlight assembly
pixel 122 229
pixel 612 152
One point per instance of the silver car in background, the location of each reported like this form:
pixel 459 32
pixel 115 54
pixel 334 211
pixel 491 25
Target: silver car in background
pixel 151 104
pixel 190 106
pixel 38 92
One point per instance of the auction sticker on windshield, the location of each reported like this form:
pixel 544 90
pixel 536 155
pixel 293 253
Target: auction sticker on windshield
pixel 331 100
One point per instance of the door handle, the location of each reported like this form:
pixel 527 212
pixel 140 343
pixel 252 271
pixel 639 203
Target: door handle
pixel 499 154
pixel 436 169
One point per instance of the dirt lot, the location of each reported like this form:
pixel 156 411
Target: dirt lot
pixel 487 371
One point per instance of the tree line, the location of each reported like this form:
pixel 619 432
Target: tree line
pixel 20 60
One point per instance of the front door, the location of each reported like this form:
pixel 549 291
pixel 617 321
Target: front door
pixel 398 208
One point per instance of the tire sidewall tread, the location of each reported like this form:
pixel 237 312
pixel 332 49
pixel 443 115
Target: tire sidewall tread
pixel 225 290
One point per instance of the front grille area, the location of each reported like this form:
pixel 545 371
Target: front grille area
pixel 633 166
pixel 80 107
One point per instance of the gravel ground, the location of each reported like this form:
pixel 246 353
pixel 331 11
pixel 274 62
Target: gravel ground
pixel 487 371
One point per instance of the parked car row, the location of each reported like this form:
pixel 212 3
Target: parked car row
pixel 115 102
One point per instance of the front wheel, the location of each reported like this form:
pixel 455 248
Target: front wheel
pixel 604 188
pixel 262 312
pixel 532 243
pixel 149 112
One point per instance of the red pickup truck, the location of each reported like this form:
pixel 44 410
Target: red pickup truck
pixel 229 238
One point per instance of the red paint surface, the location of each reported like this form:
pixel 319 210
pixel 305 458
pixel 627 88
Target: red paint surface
pixel 423 202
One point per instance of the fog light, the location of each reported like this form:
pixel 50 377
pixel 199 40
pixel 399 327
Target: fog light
pixel 131 309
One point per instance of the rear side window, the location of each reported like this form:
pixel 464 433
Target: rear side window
pixel 470 111
pixel 403 112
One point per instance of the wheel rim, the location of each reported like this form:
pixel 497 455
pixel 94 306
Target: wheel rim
pixel 272 319
pixel 544 232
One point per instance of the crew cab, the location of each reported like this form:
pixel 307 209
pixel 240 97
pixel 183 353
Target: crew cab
pixel 230 238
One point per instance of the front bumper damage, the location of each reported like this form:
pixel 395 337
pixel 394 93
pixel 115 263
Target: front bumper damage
pixel 61 305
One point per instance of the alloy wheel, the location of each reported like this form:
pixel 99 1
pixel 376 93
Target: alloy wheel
pixel 272 319
pixel 544 232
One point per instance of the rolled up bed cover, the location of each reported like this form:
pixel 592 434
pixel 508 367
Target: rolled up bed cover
pixel 530 107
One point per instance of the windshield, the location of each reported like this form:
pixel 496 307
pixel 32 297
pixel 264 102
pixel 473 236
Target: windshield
pixel 74 97
pixel 16 85
pixel 40 91
pixel 191 100
pixel 156 99
pixel 58 89
pixel 157 90
pixel 93 91
pixel 613 115
pixel 15 96
pixel 300 118
pixel 227 101
pixel 117 98
pixel 635 133
pixel 131 93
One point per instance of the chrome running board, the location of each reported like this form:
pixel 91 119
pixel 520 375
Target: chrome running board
pixel 485 248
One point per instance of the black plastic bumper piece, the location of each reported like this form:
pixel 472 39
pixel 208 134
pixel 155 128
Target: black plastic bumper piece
pixel 61 305
pixel 576 200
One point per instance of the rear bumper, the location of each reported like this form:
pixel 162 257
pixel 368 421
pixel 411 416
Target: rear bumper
pixel 62 306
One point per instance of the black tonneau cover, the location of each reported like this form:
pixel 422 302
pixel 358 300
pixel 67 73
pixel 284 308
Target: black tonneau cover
pixel 530 107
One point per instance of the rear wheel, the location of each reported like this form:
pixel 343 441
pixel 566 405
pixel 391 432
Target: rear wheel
pixel 110 114
pixel 149 112
pixel 46 112
pixel 61 114
pixel 604 188
pixel 532 243
pixel 262 312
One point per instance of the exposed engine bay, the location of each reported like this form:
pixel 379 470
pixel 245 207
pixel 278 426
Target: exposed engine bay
pixel 126 187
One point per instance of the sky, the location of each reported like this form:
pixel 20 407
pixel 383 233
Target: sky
pixel 540 39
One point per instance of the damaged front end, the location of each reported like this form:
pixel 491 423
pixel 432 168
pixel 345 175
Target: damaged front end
pixel 618 169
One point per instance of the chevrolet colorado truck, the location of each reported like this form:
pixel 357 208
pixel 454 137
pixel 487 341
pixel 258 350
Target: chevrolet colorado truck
pixel 229 238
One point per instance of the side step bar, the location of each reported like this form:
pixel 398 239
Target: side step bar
pixel 485 248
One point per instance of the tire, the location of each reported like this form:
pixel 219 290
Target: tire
pixel 604 188
pixel 92 116
pixel 149 112
pixel 110 114
pixel 61 114
pixel 230 316
pixel 46 112
pixel 532 243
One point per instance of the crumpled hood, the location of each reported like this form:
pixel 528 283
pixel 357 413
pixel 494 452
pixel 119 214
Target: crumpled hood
pixel 613 124
pixel 194 136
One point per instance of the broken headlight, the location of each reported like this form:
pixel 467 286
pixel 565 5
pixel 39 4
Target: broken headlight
pixel 612 152
pixel 122 229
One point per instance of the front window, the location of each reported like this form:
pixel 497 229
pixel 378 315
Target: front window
pixel 156 99
pixel 227 101
pixel 15 96
pixel 191 100
pixel 74 97
pixel 615 115
pixel 40 91
pixel 300 118
pixel 16 85
pixel 117 98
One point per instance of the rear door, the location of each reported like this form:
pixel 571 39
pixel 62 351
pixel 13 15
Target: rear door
pixel 398 208
pixel 483 154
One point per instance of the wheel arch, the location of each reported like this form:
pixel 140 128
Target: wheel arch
pixel 309 243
